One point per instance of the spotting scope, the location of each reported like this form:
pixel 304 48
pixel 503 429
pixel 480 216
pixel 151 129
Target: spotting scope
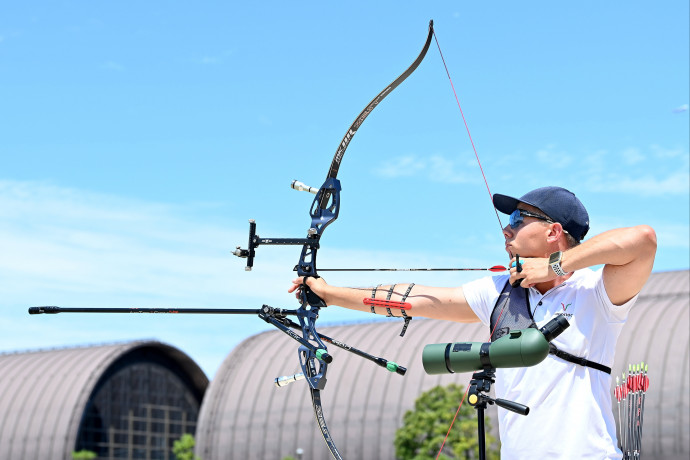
pixel 518 348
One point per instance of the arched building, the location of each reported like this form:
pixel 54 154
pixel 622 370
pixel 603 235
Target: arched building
pixel 127 400
pixel 244 416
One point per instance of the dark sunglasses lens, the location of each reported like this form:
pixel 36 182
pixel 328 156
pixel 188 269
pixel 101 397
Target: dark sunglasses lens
pixel 515 218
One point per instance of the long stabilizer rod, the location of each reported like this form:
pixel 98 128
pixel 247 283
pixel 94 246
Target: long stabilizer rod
pixel 275 316
pixel 216 311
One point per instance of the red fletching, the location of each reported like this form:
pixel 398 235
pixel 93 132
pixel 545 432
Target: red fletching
pixel 618 393
pixel 645 383
pixel 387 304
pixel 497 268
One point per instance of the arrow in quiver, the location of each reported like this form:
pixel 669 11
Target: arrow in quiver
pixel 630 393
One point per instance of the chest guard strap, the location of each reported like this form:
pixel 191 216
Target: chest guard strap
pixel 512 311
pixel 577 360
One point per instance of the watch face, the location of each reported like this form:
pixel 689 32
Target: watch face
pixel 555 257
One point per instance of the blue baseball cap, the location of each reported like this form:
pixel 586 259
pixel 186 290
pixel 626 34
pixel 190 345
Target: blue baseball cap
pixel 559 204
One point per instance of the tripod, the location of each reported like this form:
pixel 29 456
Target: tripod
pixel 480 383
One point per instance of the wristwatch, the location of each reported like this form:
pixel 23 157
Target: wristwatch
pixel 555 263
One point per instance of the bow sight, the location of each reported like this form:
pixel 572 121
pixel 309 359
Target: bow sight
pixel 324 210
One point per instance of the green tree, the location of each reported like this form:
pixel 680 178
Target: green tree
pixel 425 427
pixel 84 455
pixel 183 448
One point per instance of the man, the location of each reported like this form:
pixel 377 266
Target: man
pixel 568 393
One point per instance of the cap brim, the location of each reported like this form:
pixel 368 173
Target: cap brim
pixel 504 203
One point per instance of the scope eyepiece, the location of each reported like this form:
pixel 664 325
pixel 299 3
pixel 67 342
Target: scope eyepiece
pixel 554 328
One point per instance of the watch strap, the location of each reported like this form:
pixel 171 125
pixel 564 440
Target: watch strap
pixel 555 263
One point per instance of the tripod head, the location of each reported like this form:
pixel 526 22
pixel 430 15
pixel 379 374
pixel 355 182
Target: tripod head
pixel 480 384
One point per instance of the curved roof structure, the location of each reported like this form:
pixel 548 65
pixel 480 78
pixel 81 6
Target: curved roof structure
pixel 44 394
pixel 245 416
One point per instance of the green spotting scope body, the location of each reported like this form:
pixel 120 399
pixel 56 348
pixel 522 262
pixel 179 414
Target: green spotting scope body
pixel 518 348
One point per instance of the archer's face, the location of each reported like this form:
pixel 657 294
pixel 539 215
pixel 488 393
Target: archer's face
pixel 529 238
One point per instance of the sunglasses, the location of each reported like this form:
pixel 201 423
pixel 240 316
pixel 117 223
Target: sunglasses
pixel 518 216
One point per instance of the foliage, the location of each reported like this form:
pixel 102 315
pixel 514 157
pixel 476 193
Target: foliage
pixel 183 448
pixel 84 455
pixel 425 427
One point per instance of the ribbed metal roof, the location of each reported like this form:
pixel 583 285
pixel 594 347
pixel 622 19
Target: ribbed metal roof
pixel 245 416
pixel 43 394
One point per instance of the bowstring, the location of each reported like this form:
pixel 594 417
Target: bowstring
pixel 500 224
pixel 468 131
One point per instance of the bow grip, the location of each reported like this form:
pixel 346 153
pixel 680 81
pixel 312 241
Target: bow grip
pixel 309 297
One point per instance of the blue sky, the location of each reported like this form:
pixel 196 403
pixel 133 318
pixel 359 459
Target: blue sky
pixel 137 139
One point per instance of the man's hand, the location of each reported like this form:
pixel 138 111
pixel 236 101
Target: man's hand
pixel 317 286
pixel 534 271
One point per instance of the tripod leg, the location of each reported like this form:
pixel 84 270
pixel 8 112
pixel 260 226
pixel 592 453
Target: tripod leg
pixel 480 431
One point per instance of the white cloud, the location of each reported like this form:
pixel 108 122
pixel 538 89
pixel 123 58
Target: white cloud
pixel 66 241
pixel 673 236
pixel 665 153
pixel 436 168
pixel 452 171
pixel 673 184
pixel 650 172
pixel 632 156
pixel 655 171
pixel 214 59
pixel 210 60
pixel 111 65
pixel 644 172
pixel 553 157
pixel 265 120
pixel 402 166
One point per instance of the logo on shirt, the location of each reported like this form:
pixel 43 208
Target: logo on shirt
pixel 565 308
